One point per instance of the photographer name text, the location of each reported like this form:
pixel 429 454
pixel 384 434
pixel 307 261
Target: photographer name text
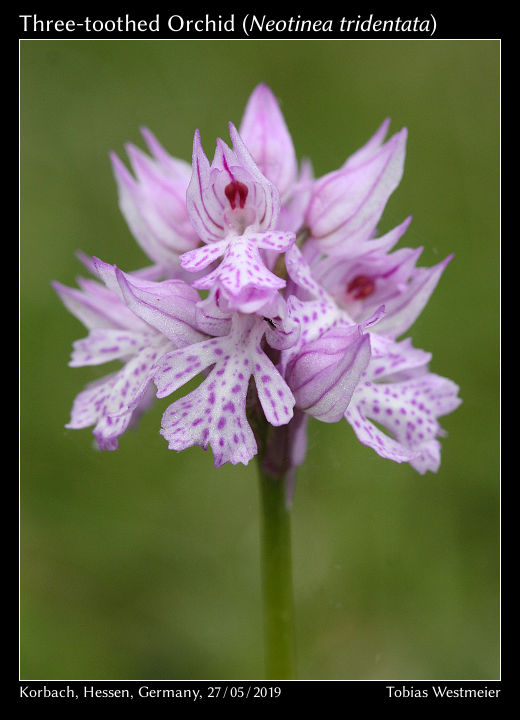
pixel 440 692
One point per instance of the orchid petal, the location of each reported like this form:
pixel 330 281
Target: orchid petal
pixel 395 361
pixel 300 272
pixel 90 409
pixel 177 170
pixel 213 313
pixel 404 309
pixel 86 409
pixel 346 204
pixel 132 381
pixel 169 306
pixel 97 307
pixel 267 138
pixel 154 207
pixel 247 283
pixel 408 411
pixel 294 206
pixel 106 344
pixel 113 402
pixel 214 414
pixel 284 330
pixel 203 208
pixel 370 148
pixel 274 394
pixel 189 422
pixel 176 368
pixel 324 375
pixel 200 258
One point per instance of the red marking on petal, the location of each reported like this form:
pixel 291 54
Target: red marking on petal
pixel 236 192
pixel 361 287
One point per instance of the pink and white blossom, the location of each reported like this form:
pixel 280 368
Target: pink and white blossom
pixel 234 209
pixel 302 312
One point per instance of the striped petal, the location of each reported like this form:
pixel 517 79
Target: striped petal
pixel 154 206
pixel 267 138
pixel 326 372
pixel 168 307
pixel 347 204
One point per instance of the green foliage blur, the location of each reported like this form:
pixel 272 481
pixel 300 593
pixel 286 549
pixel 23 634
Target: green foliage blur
pixel 144 563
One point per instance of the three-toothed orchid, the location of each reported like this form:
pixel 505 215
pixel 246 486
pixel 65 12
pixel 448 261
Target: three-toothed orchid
pixel 304 309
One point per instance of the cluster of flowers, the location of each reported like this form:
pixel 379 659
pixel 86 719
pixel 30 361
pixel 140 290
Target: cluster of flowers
pixel 300 296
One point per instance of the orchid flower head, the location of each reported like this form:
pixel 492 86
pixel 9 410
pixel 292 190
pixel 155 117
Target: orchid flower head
pixel 275 290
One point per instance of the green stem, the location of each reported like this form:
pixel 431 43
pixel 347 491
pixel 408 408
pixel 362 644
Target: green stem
pixel 277 577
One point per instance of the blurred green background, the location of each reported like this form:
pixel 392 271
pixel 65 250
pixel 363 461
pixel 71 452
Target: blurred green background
pixel 144 563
